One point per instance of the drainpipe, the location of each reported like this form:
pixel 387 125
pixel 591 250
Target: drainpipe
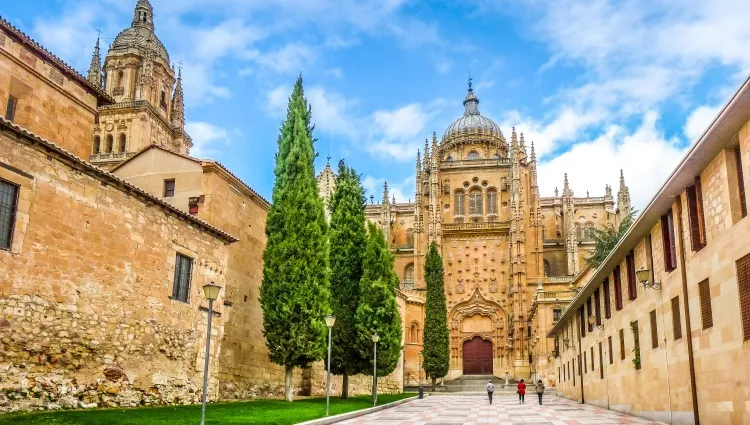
pixel 686 303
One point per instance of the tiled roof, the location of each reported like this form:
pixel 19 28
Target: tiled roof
pixel 115 181
pixel 101 95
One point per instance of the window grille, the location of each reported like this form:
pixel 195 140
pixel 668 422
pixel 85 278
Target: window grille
pixel 676 320
pixel 182 274
pixel 8 206
pixel 743 281
pixel 704 290
pixel 654 331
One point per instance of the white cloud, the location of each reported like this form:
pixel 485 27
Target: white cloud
pixel 292 58
pixel 699 120
pixel 205 137
pixel 335 72
pixel 645 155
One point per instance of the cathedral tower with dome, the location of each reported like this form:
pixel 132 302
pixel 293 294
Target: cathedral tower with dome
pixel 149 107
pixel 502 243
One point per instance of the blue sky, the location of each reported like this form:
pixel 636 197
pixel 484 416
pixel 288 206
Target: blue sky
pixel 598 85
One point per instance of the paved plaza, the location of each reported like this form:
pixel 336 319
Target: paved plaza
pixel 505 410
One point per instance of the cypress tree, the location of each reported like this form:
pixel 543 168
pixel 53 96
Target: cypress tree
pixel 377 312
pixel 294 294
pixel 348 239
pixel 435 339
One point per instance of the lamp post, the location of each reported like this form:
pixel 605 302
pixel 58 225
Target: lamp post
pixel 642 275
pixel 211 292
pixel 330 320
pixel 419 376
pixel 375 339
pixel 592 322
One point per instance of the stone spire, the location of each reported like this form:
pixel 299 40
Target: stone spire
pixel 178 104
pixel 143 16
pixel 533 152
pixel 435 150
pixel 419 162
pixel 623 197
pixel 385 192
pixel 426 158
pixel 471 102
pixel 566 187
pixel 95 69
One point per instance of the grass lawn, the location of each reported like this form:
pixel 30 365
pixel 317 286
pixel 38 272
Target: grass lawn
pixel 269 412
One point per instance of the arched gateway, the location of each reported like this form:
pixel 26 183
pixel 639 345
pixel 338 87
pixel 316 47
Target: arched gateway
pixel 477 356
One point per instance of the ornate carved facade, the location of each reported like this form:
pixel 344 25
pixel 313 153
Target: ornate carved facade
pixel 501 242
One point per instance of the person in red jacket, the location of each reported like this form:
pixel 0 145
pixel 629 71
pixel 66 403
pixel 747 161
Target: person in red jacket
pixel 521 391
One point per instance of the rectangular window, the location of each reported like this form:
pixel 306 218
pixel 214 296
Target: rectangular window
pixel 597 307
pixel 740 181
pixel 585 364
pixel 676 322
pixel 169 188
pixel 654 331
pixel 589 313
pixel 622 344
pixel 556 314
pixel 562 379
pixel 10 110
pixel 8 206
pixel 618 288
pixel 582 321
pixel 704 292
pixel 632 288
pixel 695 215
pixel 650 257
pixel 592 359
pixel 601 362
pixel 743 281
pixel 609 343
pixel 636 342
pixel 667 236
pixel 182 273
pixel 607 302
pixel 574 369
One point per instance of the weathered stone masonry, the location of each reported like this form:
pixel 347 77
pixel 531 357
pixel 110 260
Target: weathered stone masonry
pixel 85 311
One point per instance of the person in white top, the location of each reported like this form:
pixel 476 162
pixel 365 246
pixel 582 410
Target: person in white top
pixel 490 390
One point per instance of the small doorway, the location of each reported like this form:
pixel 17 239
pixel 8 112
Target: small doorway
pixel 477 354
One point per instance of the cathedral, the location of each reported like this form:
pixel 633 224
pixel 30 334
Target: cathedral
pixel 501 242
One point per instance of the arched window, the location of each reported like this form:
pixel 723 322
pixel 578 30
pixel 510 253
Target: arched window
pixel 475 202
pixel 449 158
pixel 414 334
pixel 473 155
pixel 163 100
pixel 409 274
pixel 119 78
pixel 121 145
pixel 410 237
pixel 492 201
pixel 97 144
pixel 459 208
pixel 588 231
pixel 110 142
pixel 547 268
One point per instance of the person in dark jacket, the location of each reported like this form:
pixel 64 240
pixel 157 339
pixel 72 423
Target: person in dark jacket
pixel 521 391
pixel 490 390
pixel 540 390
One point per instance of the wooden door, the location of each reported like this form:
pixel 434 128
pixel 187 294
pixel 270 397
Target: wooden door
pixel 477 354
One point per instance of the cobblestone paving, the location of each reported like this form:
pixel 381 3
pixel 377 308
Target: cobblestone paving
pixel 505 410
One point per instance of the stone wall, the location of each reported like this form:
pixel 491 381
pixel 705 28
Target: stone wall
pixel 50 103
pixel 86 315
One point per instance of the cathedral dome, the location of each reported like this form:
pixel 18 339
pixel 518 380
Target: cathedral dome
pixel 141 31
pixel 472 121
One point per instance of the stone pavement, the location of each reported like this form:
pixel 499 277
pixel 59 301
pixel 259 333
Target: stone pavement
pixel 505 410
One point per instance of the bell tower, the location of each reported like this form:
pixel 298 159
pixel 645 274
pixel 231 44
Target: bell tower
pixel 149 107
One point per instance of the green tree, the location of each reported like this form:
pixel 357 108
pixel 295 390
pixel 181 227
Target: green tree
pixel 435 340
pixel 377 312
pixel 606 239
pixel 348 238
pixel 294 294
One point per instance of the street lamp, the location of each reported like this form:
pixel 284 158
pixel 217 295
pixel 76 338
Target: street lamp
pixel 642 275
pixel 211 292
pixel 330 320
pixel 419 375
pixel 375 339
pixel 592 322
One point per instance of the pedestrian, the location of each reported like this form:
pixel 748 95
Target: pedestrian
pixel 490 390
pixel 540 390
pixel 521 391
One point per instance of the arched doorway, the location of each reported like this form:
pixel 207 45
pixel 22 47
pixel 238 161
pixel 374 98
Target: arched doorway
pixel 477 354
